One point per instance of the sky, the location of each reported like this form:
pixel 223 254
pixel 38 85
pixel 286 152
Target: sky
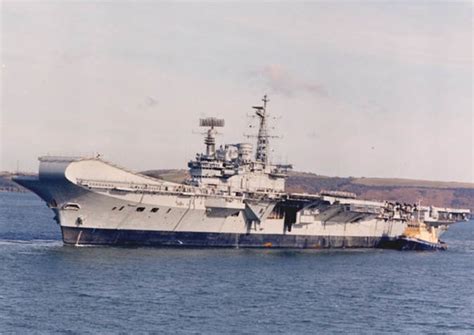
pixel 375 89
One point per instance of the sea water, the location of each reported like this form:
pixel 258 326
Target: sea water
pixel 46 287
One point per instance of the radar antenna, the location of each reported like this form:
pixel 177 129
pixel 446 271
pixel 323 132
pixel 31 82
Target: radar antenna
pixel 210 139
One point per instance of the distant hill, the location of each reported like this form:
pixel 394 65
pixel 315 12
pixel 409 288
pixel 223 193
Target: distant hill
pixel 172 175
pixel 442 194
pixel 410 183
pixel 8 185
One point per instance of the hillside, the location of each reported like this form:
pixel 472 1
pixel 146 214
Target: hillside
pixel 443 194
pixel 8 185
pixel 410 183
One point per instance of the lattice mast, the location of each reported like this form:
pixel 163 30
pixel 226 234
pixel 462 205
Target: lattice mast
pixel 263 145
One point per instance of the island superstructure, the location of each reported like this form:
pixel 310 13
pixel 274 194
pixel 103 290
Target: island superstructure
pixel 235 197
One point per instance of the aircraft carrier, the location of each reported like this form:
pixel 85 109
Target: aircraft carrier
pixel 235 197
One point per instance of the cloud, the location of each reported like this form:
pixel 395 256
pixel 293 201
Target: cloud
pixel 280 81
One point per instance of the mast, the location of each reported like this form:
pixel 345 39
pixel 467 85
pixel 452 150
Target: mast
pixel 262 137
pixel 210 139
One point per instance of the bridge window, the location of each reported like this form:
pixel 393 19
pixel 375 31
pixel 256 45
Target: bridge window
pixel 121 208
pixel 169 210
pixel 114 208
pixel 140 209
pixel 155 209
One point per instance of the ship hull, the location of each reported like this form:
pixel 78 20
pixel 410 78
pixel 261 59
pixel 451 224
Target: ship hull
pixel 149 212
pixel 93 236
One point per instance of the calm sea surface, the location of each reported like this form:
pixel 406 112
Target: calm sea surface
pixel 48 288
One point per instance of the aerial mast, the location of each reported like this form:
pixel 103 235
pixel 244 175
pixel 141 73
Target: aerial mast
pixel 262 137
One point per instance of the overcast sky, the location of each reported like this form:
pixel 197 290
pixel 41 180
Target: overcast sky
pixel 379 89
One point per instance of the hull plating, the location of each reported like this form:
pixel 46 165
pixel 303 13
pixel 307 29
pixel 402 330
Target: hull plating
pixel 90 236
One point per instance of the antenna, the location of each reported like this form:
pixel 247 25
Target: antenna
pixel 211 122
pixel 263 145
pixel 210 139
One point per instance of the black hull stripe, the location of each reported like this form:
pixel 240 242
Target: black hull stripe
pixel 90 236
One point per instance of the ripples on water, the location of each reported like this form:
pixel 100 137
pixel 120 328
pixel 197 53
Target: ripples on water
pixel 46 287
